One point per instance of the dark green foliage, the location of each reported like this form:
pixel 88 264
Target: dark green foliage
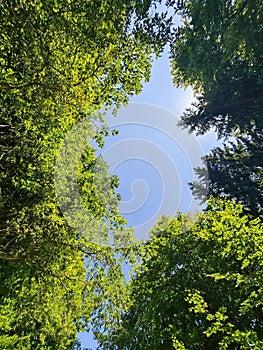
pixel 234 104
pixel 234 171
pixel 219 51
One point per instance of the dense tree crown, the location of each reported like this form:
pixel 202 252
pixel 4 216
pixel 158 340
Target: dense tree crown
pixel 219 51
pixel 199 285
pixel 61 61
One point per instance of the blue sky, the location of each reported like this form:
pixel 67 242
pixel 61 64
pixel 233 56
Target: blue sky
pixel 153 158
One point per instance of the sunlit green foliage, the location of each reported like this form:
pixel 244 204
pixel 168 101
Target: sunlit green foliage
pixel 199 285
pixel 60 62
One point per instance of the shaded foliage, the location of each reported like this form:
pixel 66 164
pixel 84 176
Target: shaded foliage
pixel 218 50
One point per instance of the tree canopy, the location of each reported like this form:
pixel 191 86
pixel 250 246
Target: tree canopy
pixel 195 284
pixel 61 62
pixel 218 50
pixel 199 285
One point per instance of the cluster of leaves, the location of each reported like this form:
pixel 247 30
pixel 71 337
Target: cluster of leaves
pixel 234 171
pixel 60 62
pixel 199 284
pixel 218 50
